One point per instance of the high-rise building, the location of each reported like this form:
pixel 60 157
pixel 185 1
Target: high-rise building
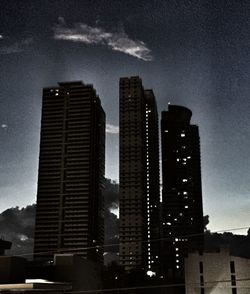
pixel 69 214
pixel 182 213
pixel 139 177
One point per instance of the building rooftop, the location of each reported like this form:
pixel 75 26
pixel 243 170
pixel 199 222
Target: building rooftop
pixel 177 114
pixel 42 285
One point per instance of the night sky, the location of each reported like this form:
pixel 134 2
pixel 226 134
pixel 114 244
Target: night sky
pixel 191 53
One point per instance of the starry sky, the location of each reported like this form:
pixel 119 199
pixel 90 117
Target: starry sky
pixel 193 53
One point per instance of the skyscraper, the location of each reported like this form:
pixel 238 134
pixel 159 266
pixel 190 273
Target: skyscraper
pixel 182 213
pixel 69 214
pixel 139 177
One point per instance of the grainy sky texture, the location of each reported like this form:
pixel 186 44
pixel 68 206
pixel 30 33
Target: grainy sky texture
pixel 192 53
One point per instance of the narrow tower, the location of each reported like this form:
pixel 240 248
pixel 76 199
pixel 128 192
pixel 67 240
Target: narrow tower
pixel 182 213
pixel 69 214
pixel 139 177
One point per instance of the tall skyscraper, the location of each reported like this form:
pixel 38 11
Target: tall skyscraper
pixel 69 214
pixel 182 213
pixel 139 177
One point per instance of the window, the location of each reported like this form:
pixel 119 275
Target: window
pixel 202 281
pixel 201 267
pixel 233 280
pixel 232 267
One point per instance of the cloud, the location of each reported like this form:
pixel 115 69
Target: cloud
pixel 111 129
pixel 117 41
pixel 17 225
pixel 4 126
pixel 1 36
pixel 15 47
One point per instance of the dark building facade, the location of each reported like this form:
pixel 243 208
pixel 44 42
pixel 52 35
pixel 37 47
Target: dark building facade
pixel 4 245
pixel 139 177
pixel 182 212
pixel 69 214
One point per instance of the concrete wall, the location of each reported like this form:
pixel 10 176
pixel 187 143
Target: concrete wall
pixel 217 275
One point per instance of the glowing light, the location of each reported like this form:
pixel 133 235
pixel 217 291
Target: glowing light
pixel 42 281
pixel 151 274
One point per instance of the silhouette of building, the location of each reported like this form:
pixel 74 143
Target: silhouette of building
pixel 69 213
pixel 4 245
pixel 80 273
pixel 182 212
pixel 139 177
pixel 12 269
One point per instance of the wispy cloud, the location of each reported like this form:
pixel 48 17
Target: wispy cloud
pixel 117 41
pixel 4 126
pixel 111 129
pixel 15 47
